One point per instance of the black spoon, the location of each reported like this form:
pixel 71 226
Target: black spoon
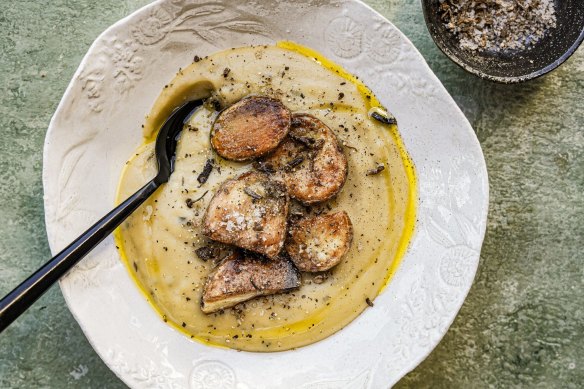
pixel 22 297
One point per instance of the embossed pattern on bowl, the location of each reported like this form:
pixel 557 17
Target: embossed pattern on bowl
pixel 97 125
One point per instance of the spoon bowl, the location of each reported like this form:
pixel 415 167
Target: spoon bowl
pixel 167 139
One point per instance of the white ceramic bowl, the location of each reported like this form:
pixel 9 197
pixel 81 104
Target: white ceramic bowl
pixel 97 126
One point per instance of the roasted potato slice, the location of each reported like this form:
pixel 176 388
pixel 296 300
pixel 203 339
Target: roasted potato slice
pixel 317 243
pixel 310 161
pixel 240 278
pixel 250 212
pixel 250 128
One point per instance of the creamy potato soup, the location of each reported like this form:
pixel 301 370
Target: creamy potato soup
pixel 159 242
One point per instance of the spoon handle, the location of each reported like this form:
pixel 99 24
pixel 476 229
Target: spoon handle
pixel 25 294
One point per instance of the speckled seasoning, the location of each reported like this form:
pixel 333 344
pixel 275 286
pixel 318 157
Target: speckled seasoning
pixel 498 25
pixel 284 291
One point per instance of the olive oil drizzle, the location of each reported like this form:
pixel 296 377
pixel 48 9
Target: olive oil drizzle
pixel 371 101
pixel 310 323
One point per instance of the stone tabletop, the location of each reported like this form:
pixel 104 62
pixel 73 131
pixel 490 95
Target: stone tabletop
pixel 522 324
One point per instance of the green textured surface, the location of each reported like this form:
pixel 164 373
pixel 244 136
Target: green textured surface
pixel 522 324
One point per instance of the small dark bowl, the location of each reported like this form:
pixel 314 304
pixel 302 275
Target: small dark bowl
pixel 510 67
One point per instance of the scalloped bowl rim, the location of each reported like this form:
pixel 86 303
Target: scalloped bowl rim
pixel 127 366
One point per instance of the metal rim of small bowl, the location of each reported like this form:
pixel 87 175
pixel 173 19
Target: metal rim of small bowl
pixel 506 80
